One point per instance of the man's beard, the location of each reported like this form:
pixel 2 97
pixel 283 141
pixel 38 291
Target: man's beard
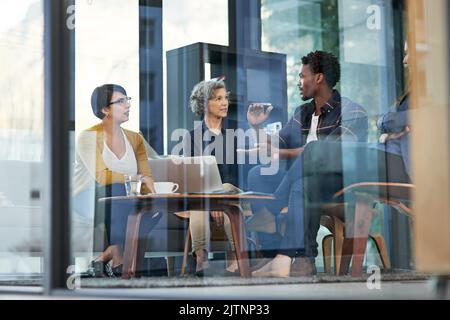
pixel 304 97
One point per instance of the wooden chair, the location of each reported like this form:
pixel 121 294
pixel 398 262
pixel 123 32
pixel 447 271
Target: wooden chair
pixel 333 219
pixel 354 239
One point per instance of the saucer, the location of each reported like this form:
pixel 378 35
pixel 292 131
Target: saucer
pixel 165 194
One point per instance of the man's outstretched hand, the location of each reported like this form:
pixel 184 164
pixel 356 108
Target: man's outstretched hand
pixel 257 113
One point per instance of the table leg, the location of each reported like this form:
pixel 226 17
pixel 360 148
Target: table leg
pixel 131 245
pixel 356 234
pixel 187 245
pixel 363 220
pixel 240 239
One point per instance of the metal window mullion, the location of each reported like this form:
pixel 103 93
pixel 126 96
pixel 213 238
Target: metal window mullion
pixel 58 101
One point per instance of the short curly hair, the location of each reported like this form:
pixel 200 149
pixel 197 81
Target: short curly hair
pixel 202 93
pixel 326 63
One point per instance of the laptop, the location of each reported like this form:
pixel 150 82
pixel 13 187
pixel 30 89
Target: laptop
pixel 193 174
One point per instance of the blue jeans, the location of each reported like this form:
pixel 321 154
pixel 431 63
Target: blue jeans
pixel 290 193
pixel 317 174
pixel 303 218
pixel 267 184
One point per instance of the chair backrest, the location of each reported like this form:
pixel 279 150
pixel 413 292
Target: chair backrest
pixel 151 153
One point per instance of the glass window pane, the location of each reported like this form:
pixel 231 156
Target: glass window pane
pixel 293 28
pixel 330 77
pixel 368 39
pixel 21 143
pixel 107 52
pixel 200 21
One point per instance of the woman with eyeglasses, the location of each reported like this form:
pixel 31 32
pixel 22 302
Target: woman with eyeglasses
pixel 104 154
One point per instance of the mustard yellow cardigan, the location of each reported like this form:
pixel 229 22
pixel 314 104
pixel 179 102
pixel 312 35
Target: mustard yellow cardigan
pixel 89 162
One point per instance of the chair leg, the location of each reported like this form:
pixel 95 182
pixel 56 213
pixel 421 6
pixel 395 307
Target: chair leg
pixel 170 261
pixel 326 249
pixel 258 254
pixel 191 264
pixel 346 256
pixel 413 238
pixel 187 244
pixel 356 235
pixel 382 250
pixel 240 239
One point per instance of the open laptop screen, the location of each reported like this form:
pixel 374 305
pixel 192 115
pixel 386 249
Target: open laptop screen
pixel 193 174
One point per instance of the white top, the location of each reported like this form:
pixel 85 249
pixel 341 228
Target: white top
pixel 126 165
pixel 312 135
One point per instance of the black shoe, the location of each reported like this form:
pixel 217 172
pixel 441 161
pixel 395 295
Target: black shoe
pixel 113 272
pixel 87 274
pixel 117 271
pixel 216 272
pixel 200 273
pixel 96 269
pixel 303 267
pixel 206 272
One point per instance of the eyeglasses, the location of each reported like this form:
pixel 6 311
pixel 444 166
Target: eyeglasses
pixel 122 101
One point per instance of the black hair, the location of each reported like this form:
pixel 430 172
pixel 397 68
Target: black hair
pixel 101 98
pixel 326 63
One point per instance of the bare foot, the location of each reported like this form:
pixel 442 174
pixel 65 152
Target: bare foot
pixel 233 267
pixel 202 259
pixel 112 252
pixel 279 267
pixel 117 258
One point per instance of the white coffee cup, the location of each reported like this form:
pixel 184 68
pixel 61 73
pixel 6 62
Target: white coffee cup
pixel 166 187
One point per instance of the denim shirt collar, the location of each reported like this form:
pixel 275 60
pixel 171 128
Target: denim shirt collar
pixel 333 103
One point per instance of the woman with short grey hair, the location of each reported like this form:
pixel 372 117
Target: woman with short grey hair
pixel 202 93
pixel 209 100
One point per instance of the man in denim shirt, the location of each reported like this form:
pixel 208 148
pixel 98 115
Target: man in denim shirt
pixel 335 116
pixel 328 116
pixel 319 173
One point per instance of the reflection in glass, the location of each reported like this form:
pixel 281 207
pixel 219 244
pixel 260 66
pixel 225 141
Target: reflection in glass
pixel 21 141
